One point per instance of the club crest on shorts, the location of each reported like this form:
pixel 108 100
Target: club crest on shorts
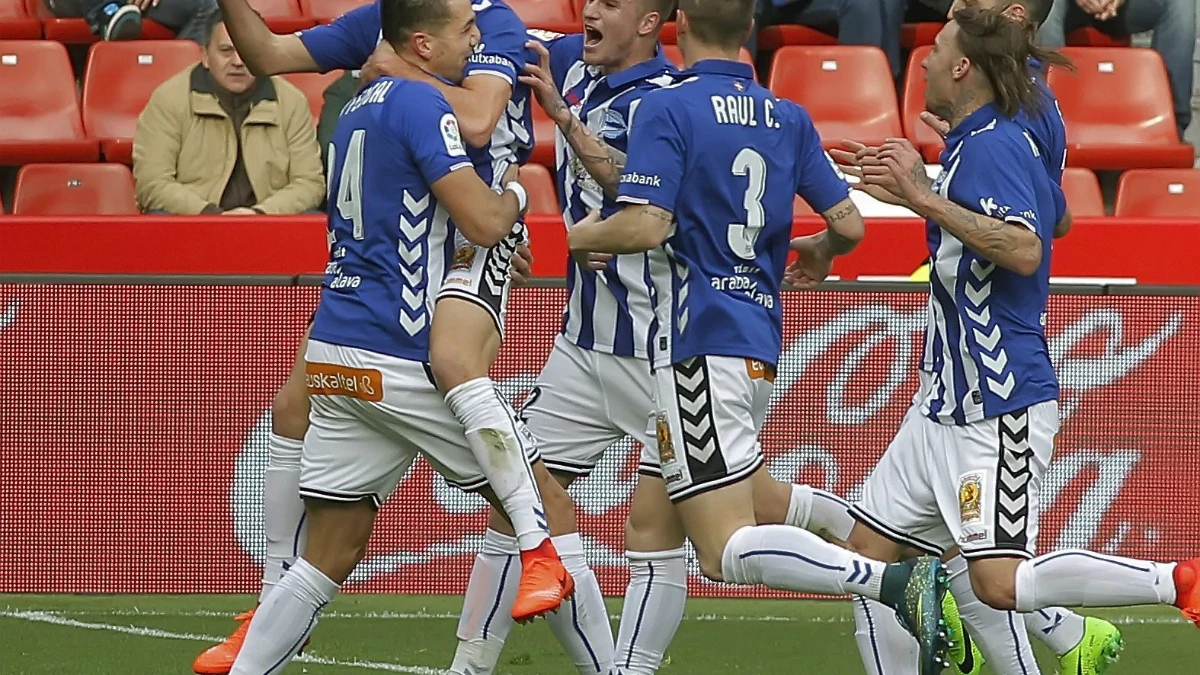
pixel 463 258
pixel 666 451
pixel 970 496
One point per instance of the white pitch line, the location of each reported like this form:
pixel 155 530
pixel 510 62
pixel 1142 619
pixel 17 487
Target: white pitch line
pixel 1119 620
pixel 46 617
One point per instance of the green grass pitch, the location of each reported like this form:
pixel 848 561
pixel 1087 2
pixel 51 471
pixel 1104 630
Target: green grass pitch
pixel 160 635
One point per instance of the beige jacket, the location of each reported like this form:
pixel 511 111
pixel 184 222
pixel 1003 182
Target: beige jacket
pixel 184 149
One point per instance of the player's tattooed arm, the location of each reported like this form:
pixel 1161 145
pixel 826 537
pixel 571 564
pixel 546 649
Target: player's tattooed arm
pixel 845 227
pixel 603 162
pixel 1011 245
pixel 633 229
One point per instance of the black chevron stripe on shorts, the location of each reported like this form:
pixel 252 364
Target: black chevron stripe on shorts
pixel 694 400
pixel 1012 481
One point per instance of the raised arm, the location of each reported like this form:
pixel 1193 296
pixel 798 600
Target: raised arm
pixel 264 52
pixel 478 103
pixel 604 163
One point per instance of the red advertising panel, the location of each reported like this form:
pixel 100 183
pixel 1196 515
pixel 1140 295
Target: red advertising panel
pixel 134 421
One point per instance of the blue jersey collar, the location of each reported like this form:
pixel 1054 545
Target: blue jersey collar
pixel 640 71
pixel 973 122
pixel 723 67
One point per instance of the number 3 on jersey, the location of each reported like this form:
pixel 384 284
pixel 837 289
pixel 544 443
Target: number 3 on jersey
pixel 349 194
pixel 742 236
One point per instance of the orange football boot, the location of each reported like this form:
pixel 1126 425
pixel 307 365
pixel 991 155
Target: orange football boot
pixel 218 659
pixel 1187 589
pixel 544 583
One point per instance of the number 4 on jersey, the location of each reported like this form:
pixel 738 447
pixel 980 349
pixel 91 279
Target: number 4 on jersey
pixel 349 191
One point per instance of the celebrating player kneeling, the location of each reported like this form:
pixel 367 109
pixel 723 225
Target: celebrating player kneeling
pixel 375 405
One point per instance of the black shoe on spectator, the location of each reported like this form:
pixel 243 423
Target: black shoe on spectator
pixel 116 21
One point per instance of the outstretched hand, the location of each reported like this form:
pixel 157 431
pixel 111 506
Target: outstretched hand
pixel 541 83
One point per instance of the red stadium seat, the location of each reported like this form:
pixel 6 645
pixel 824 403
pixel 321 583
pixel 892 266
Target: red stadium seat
pixel 553 15
pixel 675 55
pixel 1082 189
pixel 39 107
pixel 913 35
pixel 538 181
pixel 927 140
pixel 77 32
pixel 543 136
pixel 119 79
pixel 1091 37
pixel 847 90
pixel 324 11
pixel 774 37
pixel 74 189
pixel 314 85
pixel 1132 130
pixel 16 23
pixel 1159 193
pixel 282 16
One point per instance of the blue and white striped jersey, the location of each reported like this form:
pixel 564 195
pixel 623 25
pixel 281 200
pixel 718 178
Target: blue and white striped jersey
pixel 609 311
pixel 985 346
pixel 348 41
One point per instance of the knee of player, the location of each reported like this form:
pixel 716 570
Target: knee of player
pixel 771 505
pixel 996 591
pixel 560 508
pixel 289 410
pixel 710 565
pixel 449 365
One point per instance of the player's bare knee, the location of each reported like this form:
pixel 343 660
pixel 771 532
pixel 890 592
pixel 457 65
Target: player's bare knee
pixel 560 508
pixel 710 563
pixel 497 522
pixel 870 544
pixel 337 536
pixel 289 409
pixel 995 582
pixel 771 500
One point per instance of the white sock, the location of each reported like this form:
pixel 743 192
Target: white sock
pixel 827 513
pixel 654 603
pixel 791 559
pixel 581 625
pixel 497 446
pixel 486 617
pixel 1059 629
pixel 283 510
pixel 1075 578
pixel 885 646
pixel 1000 635
pixel 284 620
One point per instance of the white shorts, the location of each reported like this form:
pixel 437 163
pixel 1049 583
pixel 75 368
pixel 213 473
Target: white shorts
pixel 709 412
pixel 584 402
pixel 481 275
pixel 371 416
pixel 975 486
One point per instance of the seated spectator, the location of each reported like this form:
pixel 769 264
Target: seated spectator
pixel 855 22
pixel 118 20
pixel 337 95
pixel 215 139
pixel 1173 23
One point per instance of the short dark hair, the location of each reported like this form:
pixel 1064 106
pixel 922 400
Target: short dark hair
pixel 211 21
pixel 1001 49
pixel 400 19
pixel 665 9
pixel 720 23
